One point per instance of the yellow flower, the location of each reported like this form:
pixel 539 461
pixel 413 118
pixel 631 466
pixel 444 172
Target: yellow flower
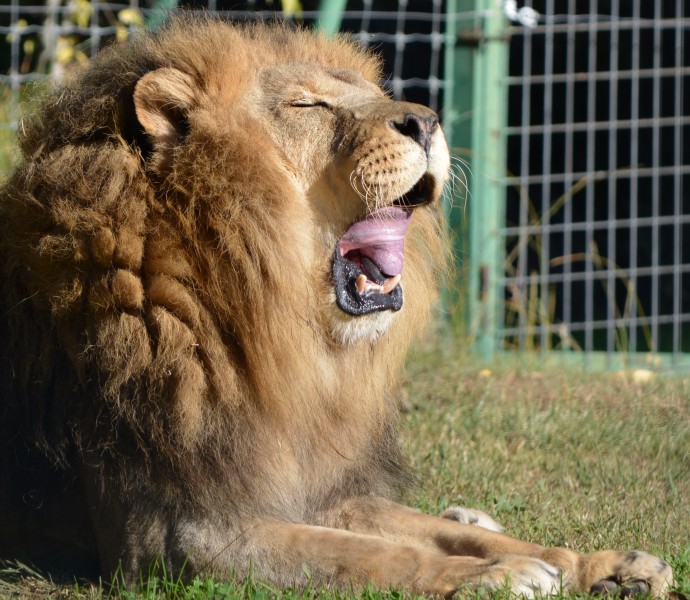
pixel 20 24
pixel 121 33
pixel 29 46
pixel 64 50
pixel 81 12
pixel 131 17
pixel 291 7
pixel 642 375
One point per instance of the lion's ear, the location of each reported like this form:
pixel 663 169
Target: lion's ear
pixel 162 101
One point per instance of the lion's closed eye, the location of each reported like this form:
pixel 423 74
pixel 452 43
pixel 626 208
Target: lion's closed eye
pixel 309 103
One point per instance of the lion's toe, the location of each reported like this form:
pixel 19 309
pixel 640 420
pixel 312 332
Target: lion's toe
pixel 524 575
pixel 643 570
pixel 471 516
pixel 607 587
pixel 633 573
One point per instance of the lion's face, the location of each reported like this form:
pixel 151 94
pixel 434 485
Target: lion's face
pixel 363 162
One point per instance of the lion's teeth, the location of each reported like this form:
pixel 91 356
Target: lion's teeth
pixel 389 284
pixel 364 286
pixel 361 283
pixel 373 287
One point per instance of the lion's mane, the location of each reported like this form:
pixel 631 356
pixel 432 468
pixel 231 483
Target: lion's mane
pixel 164 328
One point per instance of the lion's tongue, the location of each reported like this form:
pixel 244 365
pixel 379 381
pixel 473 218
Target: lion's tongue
pixel 380 238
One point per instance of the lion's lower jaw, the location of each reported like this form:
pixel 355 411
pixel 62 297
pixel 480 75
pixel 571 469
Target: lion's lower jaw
pixel 349 330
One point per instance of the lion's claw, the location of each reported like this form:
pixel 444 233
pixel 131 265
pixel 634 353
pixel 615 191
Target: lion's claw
pixel 634 588
pixel 609 587
pixel 603 587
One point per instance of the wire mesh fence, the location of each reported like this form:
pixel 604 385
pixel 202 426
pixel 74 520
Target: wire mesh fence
pixel 598 194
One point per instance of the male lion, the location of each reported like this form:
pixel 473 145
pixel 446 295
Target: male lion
pixel 207 299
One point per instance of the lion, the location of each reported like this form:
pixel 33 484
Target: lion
pixel 217 249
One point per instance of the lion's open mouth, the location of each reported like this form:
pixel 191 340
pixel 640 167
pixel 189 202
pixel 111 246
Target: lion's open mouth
pixel 420 193
pixel 368 259
pixel 368 262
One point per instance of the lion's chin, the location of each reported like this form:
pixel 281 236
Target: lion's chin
pixel 349 331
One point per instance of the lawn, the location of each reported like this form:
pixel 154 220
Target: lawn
pixel 588 461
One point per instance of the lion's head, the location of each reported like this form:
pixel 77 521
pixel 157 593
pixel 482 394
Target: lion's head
pixel 219 224
pixel 361 162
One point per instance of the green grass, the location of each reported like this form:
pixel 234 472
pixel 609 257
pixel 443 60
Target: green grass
pixel 558 457
pixel 8 150
pixel 587 461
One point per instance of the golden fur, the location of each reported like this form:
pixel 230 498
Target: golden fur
pixel 178 380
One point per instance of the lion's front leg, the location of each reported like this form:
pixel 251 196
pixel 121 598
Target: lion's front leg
pixel 280 551
pixel 600 571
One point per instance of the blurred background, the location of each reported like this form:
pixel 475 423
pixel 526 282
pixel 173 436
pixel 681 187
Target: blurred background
pixel 569 122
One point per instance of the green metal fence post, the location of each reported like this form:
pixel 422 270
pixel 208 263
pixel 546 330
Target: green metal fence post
pixel 159 12
pixel 330 15
pixel 456 117
pixel 485 212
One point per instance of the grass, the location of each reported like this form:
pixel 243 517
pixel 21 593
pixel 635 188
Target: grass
pixel 558 457
pixel 8 113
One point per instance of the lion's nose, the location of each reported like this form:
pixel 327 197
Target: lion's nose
pixel 419 128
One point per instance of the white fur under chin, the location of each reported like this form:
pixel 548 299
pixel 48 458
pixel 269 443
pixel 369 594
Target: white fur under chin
pixel 349 330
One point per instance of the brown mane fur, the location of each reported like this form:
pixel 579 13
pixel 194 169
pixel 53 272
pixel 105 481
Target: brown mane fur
pixel 166 330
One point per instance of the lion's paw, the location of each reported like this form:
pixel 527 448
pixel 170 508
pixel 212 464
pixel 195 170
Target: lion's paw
pixel 524 575
pixel 471 516
pixel 634 573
